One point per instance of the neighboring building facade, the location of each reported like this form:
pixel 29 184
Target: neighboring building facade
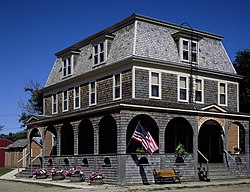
pixel 16 154
pixel 3 145
pixel 178 82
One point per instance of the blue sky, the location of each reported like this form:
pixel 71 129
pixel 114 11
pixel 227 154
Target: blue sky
pixel 32 31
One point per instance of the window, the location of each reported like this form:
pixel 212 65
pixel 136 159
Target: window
pixel 92 93
pixel 222 94
pixel 54 103
pixel 99 53
pixel 77 98
pixel 67 66
pixel 117 84
pixel 188 50
pixel 65 101
pixel 183 89
pixel 198 91
pixel 155 85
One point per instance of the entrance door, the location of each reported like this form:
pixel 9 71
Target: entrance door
pixel 210 142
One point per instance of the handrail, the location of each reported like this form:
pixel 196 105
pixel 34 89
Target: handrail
pixel 20 161
pixel 31 162
pixel 207 174
pixel 228 154
pixel 36 157
pixel 202 155
pixel 23 157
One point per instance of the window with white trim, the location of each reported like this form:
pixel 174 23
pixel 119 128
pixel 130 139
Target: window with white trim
pixel 92 93
pixel 183 89
pixel 65 101
pixel 54 103
pixel 99 53
pixel 222 94
pixel 155 85
pixel 117 87
pixel 198 91
pixel 188 50
pixel 67 66
pixel 77 98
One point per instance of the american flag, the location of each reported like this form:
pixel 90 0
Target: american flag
pixel 145 138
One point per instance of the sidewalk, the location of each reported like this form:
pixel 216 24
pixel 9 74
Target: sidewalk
pixel 107 187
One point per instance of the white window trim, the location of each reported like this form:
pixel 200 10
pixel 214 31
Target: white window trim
pixel 150 85
pixel 72 63
pixel 202 91
pixel 79 97
pixel 52 97
pixel 105 46
pixel 114 98
pixel 189 50
pixel 226 94
pixel 91 104
pixel 187 88
pixel 64 110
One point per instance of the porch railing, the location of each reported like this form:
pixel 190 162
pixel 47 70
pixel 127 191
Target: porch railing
pixel 207 161
pixel 18 161
pixel 31 162
pixel 231 157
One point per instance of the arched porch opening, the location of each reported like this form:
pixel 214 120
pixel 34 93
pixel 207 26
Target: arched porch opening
pixel 107 135
pixel 67 139
pixel 236 138
pixel 85 137
pixel 36 144
pixel 210 141
pixel 50 141
pixel 149 124
pixel 178 131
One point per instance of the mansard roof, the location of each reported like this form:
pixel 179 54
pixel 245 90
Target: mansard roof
pixel 144 37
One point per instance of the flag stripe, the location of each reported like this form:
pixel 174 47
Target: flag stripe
pixel 145 138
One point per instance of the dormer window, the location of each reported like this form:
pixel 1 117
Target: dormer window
pixel 99 53
pixel 67 66
pixel 188 50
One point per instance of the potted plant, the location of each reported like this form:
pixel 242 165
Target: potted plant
pixel 75 175
pixel 236 150
pixel 40 173
pixel 180 153
pixel 96 178
pixel 57 174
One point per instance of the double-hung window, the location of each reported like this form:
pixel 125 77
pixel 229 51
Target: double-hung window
pixel 183 88
pixel 92 93
pixel 198 91
pixel 117 86
pixel 67 66
pixel 188 50
pixel 155 85
pixel 99 53
pixel 77 98
pixel 65 101
pixel 222 96
pixel 54 103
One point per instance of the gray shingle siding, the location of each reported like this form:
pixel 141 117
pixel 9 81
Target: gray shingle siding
pixel 154 41
pixel 122 44
pixel 213 56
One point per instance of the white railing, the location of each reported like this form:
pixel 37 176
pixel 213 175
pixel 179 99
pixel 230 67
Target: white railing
pixel 31 162
pixel 207 174
pixel 21 160
pixel 233 159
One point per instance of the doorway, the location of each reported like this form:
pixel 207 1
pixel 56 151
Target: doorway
pixel 210 141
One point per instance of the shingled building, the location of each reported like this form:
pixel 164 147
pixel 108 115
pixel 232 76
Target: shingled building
pixel 177 81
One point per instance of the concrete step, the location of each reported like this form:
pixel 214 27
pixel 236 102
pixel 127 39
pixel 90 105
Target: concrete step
pixel 219 171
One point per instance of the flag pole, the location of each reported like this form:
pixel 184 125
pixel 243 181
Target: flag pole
pixel 132 136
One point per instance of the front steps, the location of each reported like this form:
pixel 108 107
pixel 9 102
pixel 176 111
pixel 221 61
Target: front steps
pixel 219 171
pixel 26 172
